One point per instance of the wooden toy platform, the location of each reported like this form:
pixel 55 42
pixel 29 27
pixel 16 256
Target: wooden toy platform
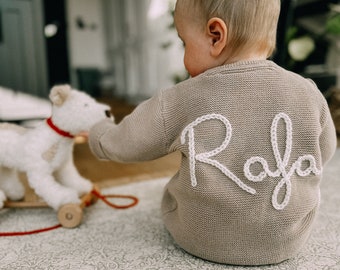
pixel 69 215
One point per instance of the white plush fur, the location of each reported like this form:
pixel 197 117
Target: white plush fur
pixel 44 155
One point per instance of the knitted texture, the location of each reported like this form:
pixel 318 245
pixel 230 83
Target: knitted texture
pixel 254 139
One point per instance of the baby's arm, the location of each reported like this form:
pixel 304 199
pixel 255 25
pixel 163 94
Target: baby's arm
pixel 139 137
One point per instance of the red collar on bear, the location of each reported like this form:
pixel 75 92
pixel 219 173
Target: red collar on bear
pixel 58 130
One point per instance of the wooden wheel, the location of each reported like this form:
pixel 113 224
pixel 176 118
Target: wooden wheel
pixel 70 215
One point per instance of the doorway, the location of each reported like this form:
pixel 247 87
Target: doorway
pixel 56 42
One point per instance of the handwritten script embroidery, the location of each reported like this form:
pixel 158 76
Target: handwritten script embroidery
pixel 281 162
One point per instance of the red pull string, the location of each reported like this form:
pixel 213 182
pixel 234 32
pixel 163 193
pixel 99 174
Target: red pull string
pixel 95 193
pixel 2 234
pixel 104 199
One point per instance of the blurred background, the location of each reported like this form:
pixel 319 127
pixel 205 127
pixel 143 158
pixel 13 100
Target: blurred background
pixel 124 48
pixel 129 49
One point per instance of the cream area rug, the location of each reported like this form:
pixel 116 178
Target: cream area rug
pixel 136 238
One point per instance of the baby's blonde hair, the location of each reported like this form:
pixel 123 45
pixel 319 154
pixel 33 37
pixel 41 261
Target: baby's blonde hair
pixel 252 24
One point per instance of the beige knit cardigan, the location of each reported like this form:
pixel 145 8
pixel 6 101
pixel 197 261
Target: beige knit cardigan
pixel 254 139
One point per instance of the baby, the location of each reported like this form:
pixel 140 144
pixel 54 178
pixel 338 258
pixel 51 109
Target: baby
pixel 254 138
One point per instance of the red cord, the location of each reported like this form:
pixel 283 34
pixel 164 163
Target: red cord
pixel 30 232
pixel 103 198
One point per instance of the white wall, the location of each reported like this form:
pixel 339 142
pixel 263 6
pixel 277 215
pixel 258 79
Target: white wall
pixel 87 46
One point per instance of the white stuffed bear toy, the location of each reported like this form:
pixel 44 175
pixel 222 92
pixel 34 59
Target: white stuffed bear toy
pixel 45 153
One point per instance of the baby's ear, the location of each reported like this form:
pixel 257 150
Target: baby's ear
pixel 59 94
pixel 218 35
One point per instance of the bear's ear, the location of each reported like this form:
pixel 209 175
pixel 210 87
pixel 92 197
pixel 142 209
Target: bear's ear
pixel 59 94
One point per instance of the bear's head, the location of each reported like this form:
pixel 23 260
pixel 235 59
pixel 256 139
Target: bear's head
pixel 75 111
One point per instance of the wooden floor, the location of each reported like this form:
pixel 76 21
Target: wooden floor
pixel 109 173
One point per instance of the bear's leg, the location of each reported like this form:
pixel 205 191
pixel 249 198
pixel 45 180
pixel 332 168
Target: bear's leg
pixel 54 194
pixel 2 199
pixel 69 176
pixel 11 185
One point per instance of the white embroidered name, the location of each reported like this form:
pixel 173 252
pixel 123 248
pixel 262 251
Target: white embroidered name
pixel 281 162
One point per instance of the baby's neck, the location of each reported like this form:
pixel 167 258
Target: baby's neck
pixel 246 57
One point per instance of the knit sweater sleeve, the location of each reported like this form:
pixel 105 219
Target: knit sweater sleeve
pixel 139 137
pixel 328 138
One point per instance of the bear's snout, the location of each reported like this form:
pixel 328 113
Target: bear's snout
pixel 108 113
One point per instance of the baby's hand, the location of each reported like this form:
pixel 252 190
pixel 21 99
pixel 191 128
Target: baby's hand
pixel 81 137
